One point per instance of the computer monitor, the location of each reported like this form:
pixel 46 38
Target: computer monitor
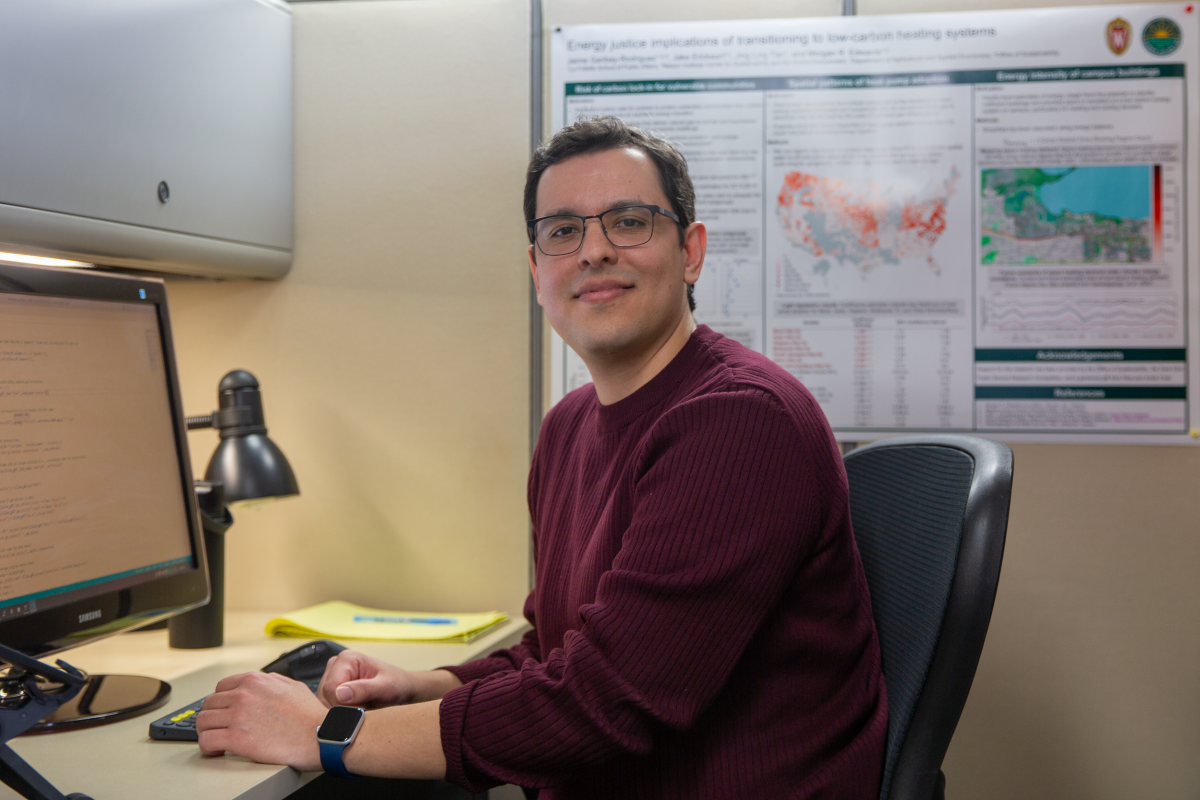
pixel 99 528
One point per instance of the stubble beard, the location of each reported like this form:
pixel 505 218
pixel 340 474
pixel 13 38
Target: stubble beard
pixel 608 343
pixel 619 341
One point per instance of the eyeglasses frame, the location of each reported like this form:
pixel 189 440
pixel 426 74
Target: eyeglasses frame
pixel 531 224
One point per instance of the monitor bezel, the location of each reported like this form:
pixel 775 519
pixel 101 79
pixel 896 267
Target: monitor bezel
pixel 77 623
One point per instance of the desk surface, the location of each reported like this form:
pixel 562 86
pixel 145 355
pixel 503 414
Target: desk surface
pixel 121 762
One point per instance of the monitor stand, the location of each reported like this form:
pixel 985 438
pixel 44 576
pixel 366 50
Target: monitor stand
pixel 24 699
pixel 105 699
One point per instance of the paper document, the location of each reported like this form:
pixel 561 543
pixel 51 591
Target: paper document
pixel 340 620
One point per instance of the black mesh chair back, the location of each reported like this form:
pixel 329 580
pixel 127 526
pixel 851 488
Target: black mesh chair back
pixel 929 515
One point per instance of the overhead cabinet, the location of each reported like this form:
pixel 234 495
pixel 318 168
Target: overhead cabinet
pixel 154 134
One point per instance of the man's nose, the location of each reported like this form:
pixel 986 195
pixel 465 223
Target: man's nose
pixel 596 248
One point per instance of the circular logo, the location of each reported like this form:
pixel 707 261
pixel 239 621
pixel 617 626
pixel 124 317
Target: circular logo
pixel 1161 36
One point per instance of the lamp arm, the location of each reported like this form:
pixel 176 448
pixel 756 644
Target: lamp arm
pixel 238 419
pixel 194 423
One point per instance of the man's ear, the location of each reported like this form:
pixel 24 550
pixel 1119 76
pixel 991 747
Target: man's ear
pixel 533 270
pixel 695 244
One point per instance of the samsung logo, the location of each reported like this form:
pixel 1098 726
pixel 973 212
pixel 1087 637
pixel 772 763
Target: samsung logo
pixel 89 616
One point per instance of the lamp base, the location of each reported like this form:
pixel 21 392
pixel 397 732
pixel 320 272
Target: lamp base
pixel 204 626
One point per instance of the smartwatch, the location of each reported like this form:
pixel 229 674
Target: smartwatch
pixel 335 734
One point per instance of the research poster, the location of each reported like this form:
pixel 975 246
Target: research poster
pixel 973 222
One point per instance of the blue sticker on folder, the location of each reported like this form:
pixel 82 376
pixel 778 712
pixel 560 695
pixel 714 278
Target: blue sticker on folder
pixel 417 620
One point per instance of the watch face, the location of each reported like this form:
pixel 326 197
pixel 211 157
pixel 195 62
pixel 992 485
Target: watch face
pixel 340 723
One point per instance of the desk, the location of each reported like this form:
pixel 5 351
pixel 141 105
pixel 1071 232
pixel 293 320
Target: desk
pixel 121 762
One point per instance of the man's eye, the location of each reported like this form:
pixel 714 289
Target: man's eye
pixel 629 220
pixel 561 230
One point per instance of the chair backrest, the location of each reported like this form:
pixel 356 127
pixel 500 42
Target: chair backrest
pixel 929 516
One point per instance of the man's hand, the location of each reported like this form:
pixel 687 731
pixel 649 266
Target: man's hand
pixel 354 679
pixel 264 717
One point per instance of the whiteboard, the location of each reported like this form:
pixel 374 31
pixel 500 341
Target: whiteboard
pixel 964 222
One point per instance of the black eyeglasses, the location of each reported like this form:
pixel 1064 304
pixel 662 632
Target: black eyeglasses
pixel 627 226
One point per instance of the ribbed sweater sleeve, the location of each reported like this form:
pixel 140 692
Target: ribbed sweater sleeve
pixel 725 505
pixel 500 660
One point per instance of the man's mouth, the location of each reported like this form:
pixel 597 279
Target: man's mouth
pixel 599 291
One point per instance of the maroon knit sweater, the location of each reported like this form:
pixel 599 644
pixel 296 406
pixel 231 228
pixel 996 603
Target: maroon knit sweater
pixel 701 621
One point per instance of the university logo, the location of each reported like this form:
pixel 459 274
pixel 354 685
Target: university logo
pixel 1119 32
pixel 1161 36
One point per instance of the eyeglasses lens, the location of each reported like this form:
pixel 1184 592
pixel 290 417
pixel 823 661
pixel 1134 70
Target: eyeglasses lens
pixel 628 227
pixel 558 236
pixel 625 227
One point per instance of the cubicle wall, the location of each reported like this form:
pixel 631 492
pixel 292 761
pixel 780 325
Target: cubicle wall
pixel 394 363
pixel 394 357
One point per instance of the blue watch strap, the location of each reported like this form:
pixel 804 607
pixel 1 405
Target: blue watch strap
pixel 331 758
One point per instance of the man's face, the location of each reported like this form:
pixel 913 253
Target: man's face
pixel 614 302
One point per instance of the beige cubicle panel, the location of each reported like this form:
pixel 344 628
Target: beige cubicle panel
pixel 394 358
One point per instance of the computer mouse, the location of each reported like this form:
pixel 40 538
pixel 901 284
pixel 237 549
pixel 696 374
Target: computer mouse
pixel 306 662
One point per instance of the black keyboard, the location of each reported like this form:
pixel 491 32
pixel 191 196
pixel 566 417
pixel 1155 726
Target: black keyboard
pixel 305 664
pixel 180 724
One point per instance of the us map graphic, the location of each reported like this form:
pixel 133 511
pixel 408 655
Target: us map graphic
pixel 863 224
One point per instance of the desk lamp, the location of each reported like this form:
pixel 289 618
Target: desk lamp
pixel 245 466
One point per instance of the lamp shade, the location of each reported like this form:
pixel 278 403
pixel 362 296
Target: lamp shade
pixel 250 467
pixel 246 462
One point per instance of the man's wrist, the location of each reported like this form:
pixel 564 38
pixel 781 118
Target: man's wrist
pixel 432 684
pixel 398 742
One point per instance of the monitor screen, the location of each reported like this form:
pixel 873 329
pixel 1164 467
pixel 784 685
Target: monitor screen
pixel 97 512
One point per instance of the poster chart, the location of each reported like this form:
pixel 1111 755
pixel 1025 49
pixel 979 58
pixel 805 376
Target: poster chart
pixel 972 222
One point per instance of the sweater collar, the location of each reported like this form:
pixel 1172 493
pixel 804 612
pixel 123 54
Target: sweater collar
pixel 624 411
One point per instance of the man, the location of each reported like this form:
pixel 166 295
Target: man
pixel 702 627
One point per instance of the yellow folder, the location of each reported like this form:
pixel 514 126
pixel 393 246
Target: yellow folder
pixel 339 620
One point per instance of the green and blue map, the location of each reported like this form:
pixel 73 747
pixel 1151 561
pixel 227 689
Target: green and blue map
pixel 1075 215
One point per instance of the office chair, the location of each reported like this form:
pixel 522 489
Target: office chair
pixel 929 516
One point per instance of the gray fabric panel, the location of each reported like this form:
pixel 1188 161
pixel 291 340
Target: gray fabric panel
pixel 907 505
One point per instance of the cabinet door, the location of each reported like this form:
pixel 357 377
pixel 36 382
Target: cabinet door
pixel 100 102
